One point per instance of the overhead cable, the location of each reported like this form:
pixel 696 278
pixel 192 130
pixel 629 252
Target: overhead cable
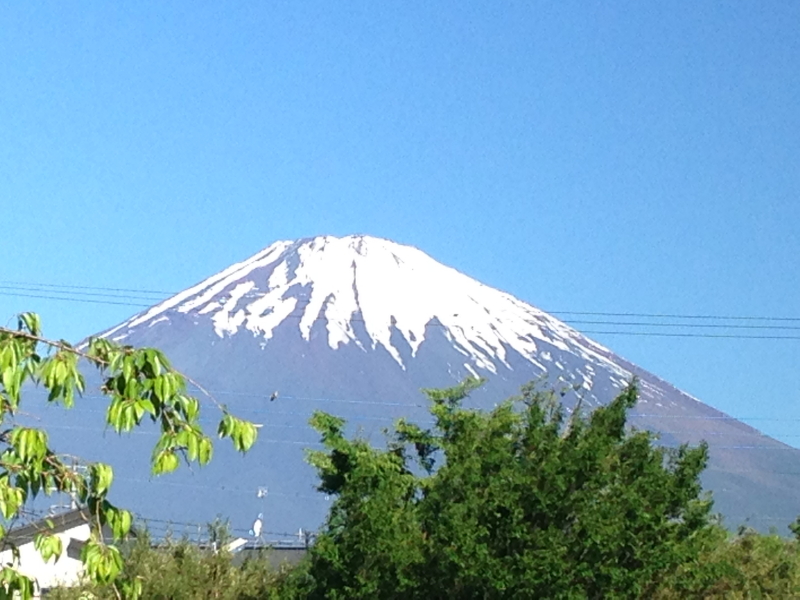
pixel 97 290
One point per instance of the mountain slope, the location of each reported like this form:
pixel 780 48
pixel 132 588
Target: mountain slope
pixel 356 326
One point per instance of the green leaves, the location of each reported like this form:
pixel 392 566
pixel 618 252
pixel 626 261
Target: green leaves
pixel 166 461
pixel 29 444
pixel 205 450
pixel 196 445
pixel 12 378
pixel 140 384
pixel 451 398
pixel 103 563
pixel 101 476
pixel 242 433
pixel 118 520
pixel 61 376
pixel 18 362
pixel 49 546
pixel 424 441
pixel 30 323
pixel 14 585
pixel 188 441
pixel 523 505
pixel 11 497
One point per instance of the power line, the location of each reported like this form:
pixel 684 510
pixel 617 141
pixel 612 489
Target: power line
pixel 267 410
pixel 671 316
pixel 637 333
pixel 251 491
pixel 113 295
pixel 583 331
pixel 158 433
pixel 85 287
pixel 166 524
pixel 97 290
pixel 155 525
pixel 693 335
pixel 749 446
pixel 687 325
pixel 83 300
pixel 209 422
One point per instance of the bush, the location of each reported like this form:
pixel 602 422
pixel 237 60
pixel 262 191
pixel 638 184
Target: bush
pixel 526 504
pixel 182 570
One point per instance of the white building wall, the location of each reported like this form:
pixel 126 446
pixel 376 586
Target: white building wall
pixel 65 571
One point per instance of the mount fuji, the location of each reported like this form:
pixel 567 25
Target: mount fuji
pixel 356 326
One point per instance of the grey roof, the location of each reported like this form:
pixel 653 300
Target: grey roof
pixel 49 525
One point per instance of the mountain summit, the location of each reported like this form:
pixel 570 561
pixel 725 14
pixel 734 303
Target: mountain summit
pixel 356 326
pixel 395 294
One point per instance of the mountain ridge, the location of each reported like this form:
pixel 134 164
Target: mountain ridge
pixel 357 326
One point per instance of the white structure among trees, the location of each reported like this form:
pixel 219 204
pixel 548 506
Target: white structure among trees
pixel 73 529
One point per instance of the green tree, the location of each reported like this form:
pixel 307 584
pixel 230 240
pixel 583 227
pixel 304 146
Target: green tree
pixel 184 570
pixel 737 566
pixel 525 503
pixel 140 384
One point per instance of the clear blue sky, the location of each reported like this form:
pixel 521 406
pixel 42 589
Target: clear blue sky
pixel 590 156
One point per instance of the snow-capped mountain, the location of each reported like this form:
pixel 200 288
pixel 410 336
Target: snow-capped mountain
pixel 387 287
pixel 356 326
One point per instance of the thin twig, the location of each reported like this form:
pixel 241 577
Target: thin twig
pixel 22 413
pixel 52 344
pixel 203 390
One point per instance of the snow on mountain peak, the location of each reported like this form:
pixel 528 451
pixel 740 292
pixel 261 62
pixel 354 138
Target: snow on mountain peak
pixel 379 284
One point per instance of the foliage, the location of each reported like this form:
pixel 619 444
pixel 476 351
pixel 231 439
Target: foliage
pixel 140 384
pixel 738 567
pixel 182 570
pixel 525 503
pixel 731 567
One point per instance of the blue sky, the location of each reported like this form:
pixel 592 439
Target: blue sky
pixel 585 156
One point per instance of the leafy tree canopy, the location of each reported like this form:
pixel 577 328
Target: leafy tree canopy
pixel 140 384
pixel 519 502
